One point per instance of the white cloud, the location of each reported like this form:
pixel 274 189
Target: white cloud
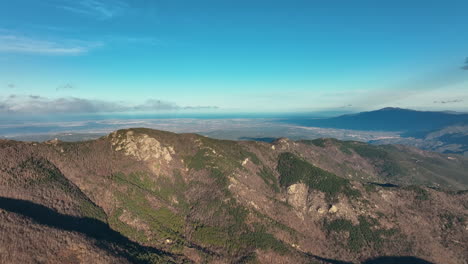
pixel 450 101
pixel 96 8
pixel 18 44
pixel 64 87
pixel 131 40
pixel 34 104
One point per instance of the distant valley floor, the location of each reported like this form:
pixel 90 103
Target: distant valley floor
pixel 260 129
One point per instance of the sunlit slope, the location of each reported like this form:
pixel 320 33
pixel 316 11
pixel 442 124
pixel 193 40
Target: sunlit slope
pixel 165 197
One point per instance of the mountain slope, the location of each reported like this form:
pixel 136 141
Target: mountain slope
pixel 188 198
pixel 389 119
pixel 444 132
pixel 46 218
pixel 394 164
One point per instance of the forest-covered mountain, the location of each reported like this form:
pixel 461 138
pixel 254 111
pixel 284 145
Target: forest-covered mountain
pixel 148 196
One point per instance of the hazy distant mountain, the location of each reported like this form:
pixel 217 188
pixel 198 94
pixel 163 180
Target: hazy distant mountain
pixel 389 119
pixel 148 196
pixel 445 132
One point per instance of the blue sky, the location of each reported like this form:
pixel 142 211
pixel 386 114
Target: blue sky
pixel 75 56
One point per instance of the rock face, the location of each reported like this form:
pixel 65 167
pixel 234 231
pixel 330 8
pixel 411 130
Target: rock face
pixel 141 146
pixel 297 196
pixel 333 209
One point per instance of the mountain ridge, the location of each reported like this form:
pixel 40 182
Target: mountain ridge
pixel 388 119
pixel 220 201
pixel 415 128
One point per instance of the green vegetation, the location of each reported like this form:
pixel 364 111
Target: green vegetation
pixel 243 242
pixel 264 240
pixel 225 226
pixel 252 157
pixel 365 234
pixel 222 210
pixel 163 222
pixel 234 235
pixel 169 189
pixel 267 175
pixel 48 175
pixel 231 149
pixel 211 236
pixel 293 170
pixel 150 257
pixel 370 188
pixel 128 231
pixel 323 142
pixel 449 220
pixel 273 224
pixel 89 209
pixel 379 155
pixel 134 234
pixel 319 142
pixel 420 193
pixel 365 150
pixel 345 150
pixel 198 161
pixel 403 165
pixel 220 179
pixel 225 155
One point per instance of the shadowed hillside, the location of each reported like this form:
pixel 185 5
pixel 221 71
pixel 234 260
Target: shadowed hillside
pixel 104 237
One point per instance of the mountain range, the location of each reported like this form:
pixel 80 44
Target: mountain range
pixel 147 196
pixel 390 119
pixel 445 132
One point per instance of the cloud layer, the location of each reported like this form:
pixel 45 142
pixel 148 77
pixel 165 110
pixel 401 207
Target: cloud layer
pixel 18 44
pixel 448 101
pixel 34 104
pixel 67 86
pixel 96 8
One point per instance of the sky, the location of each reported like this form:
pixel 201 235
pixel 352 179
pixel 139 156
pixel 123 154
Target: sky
pixel 223 56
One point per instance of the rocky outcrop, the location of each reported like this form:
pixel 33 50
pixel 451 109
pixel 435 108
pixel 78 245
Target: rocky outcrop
pixel 141 146
pixel 297 196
